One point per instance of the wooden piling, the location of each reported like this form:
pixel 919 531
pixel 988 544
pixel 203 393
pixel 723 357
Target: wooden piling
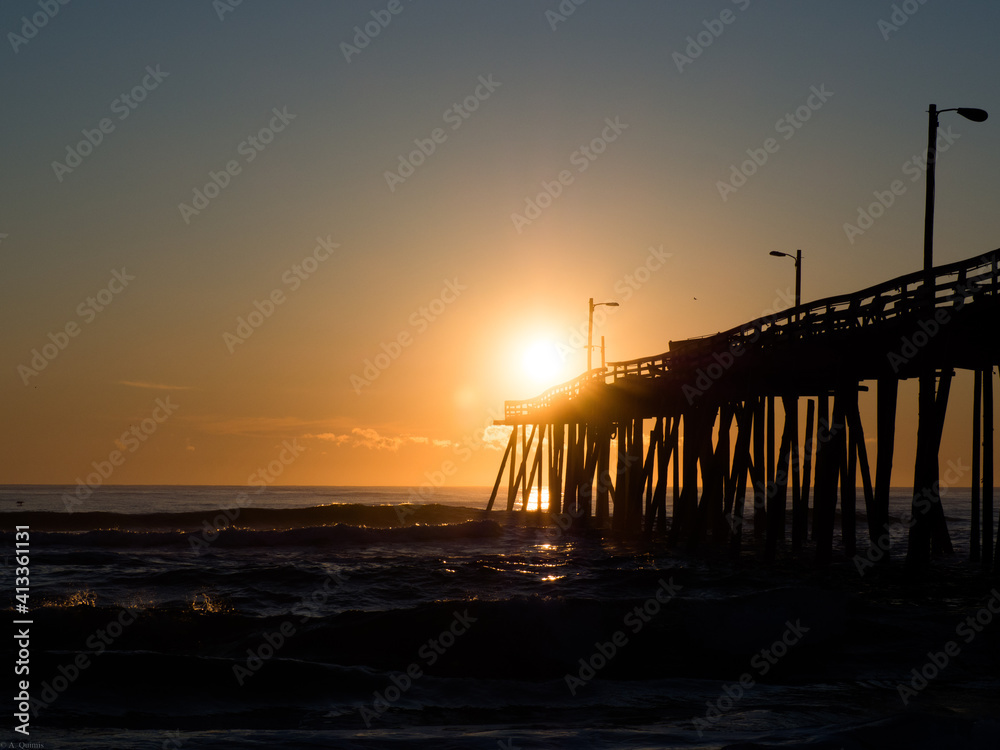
pixel 826 485
pixel 848 450
pixel 759 472
pixel 684 517
pixel 977 452
pixel 663 456
pixel 733 506
pixel 536 468
pixel 619 518
pixel 929 531
pixel 888 396
pixel 647 475
pixel 636 478
pixel 512 484
pixel 588 457
pixel 861 450
pixel 777 496
pixel 800 527
pixel 556 468
pixel 712 469
pixel 571 478
pixel 656 497
pixel 791 404
pixel 988 548
pixel 602 511
pixel 511 442
pixel 769 452
pixel 940 537
pixel 522 473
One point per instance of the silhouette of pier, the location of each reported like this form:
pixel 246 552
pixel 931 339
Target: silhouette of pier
pixel 709 405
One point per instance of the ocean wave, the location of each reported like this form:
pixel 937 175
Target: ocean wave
pixel 349 514
pixel 229 538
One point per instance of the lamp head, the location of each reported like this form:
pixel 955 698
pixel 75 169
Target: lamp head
pixel 778 254
pixel 976 115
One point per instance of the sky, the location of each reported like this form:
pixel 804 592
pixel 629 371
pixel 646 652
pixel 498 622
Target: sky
pixel 332 237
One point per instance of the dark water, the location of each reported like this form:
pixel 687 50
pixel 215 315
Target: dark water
pixel 336 617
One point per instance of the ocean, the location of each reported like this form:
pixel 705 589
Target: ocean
pixel 340 617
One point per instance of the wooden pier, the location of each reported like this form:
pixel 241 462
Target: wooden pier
pixel 701 419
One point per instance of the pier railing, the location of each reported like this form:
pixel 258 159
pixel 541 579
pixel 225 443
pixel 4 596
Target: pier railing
pixel 557 394
pixel 954 285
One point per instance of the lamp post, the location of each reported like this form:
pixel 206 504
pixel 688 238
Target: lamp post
pixel 976 115
pixel 926 471
pixel 590 328
pixel 798 273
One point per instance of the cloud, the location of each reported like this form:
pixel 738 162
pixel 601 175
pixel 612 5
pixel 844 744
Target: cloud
pixel 255 426
pixel 495 437
pixel 366 437
pixel 154 386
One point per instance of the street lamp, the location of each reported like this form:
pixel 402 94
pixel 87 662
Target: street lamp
pixel 976 115
pixel 798 274
pixel 925 475
pixel 590 328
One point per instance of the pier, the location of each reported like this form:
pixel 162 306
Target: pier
pixel 702 420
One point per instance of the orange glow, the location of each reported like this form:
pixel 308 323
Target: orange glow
pixel 541 365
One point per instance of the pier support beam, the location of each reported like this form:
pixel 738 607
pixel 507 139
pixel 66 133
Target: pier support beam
pixel 888 393
pixel 929 530
pixel 636 481
pixel 603 509
pixel 988 547
pixel 800 514
pixel 507 454
pixel 847 400
pixel 977 416
pixel 827 465
pixel 758 472
pixel 556 468
pixel 777 492
pixel 620 516
pixel 735 494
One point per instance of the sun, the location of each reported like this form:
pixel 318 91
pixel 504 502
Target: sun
pixel 541 364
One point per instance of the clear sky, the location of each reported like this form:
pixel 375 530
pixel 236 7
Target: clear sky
pixel 408 205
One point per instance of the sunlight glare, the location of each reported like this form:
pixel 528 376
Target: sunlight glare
pixel 541 364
